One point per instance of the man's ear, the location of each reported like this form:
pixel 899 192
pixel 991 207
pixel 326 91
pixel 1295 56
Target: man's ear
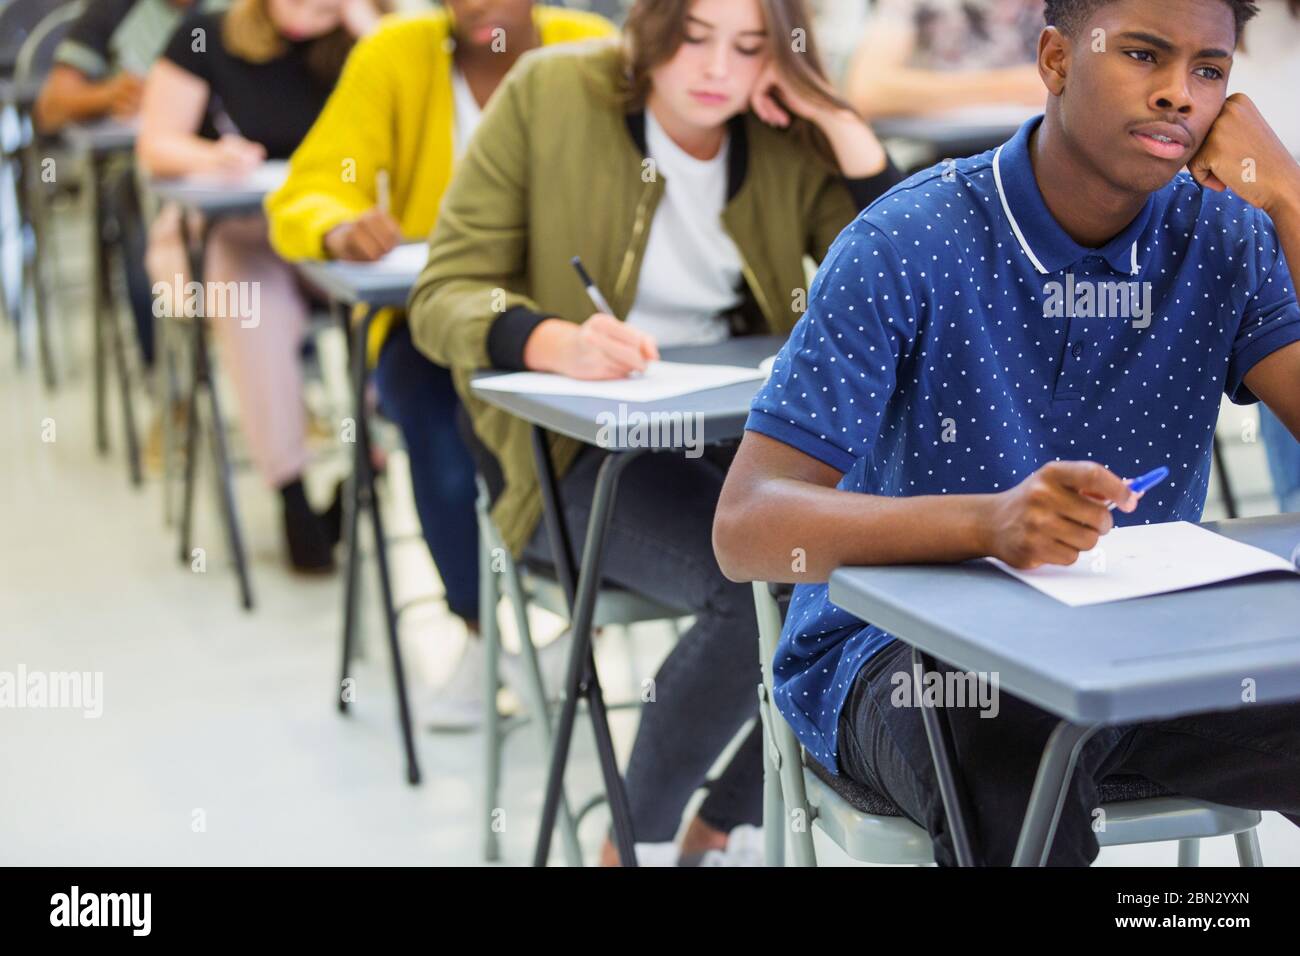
pixel 1053 59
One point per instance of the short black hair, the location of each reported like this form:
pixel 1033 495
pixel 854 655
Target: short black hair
pixel 1069 15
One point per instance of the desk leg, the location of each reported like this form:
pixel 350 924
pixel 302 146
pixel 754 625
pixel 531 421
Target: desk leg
pixel 364 498
pixel 97 310
pixel 939 733
pixel 202 381
pixel 1045 800
pixel 33 210
pixel 121 366
pixel 582 681
pixel 352 500
pixel 225 479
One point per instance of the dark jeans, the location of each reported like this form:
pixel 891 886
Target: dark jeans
pixel 1283 453
pixel 125 216
pixel 1242 758
pixel 660 545
pixel 419 396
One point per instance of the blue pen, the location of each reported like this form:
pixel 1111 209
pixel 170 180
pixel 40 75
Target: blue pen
pixel 1149 480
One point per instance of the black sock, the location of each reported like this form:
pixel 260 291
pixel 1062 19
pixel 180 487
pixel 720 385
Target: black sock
pixel 309 546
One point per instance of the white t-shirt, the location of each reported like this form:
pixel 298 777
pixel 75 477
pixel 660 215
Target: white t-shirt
pixel 692 269
pixel 1266 68
pixel 468 112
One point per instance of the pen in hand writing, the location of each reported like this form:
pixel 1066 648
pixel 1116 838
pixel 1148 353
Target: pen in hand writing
pixel 1141 484
pixel 593 293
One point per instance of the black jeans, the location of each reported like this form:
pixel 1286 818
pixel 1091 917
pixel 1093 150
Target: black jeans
pixel 660 545
pixel 1241 758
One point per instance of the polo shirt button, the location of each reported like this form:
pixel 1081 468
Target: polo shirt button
pixel 1077 351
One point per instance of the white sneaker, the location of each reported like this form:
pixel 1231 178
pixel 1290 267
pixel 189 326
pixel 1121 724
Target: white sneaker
pixel 456 703
pixel 744 848
pixel 552 662
pixel 656 854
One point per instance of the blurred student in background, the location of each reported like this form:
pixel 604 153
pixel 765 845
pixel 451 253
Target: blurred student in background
pixel 405 109
pixel 928 56
pixel 692 170
pixel 1267 69
pixel 99 72
pixel 231 90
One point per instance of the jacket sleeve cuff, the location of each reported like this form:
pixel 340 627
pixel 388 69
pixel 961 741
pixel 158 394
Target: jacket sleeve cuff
pixel 508 336
pixel 868 190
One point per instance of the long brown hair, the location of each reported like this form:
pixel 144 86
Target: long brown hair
pixel 656 29
pixel 248 32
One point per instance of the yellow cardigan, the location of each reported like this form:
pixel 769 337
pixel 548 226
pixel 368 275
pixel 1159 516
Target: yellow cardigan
pixel 393 110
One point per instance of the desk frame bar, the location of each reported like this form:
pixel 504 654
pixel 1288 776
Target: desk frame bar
pixel 107 331
pixel 201 380
pixel 956 805
pixel 361 496
pixel 1055 768
pixel 582 683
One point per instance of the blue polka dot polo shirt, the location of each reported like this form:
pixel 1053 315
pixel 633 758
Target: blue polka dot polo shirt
pixel 957 339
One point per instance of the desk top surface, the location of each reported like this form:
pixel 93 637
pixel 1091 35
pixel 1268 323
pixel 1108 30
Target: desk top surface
pixel 721 411
pixel 213 194
pixel 383 284
pixel 22 95
pixel 102 136
pixel 1158 656
pixel 960 127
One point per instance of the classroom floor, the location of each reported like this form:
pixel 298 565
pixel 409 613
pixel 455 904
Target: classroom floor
pixel 219 741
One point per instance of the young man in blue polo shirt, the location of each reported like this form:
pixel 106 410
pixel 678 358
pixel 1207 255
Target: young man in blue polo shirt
pixel 989 351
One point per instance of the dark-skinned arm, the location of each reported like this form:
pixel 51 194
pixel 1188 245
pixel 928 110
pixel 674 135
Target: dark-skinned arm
pixel 1242 140
pixel 780 511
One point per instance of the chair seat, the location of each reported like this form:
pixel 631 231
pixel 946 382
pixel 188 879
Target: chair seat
pixel 1119 788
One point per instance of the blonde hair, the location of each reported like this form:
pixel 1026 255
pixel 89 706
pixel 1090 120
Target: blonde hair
pixel 248 32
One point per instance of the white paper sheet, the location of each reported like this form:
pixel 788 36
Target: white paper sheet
pixel 1149 559
pixel 267 177
pixel 406 259
pixel 660 380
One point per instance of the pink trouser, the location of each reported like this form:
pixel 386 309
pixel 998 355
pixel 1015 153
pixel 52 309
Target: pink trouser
pixel 257 312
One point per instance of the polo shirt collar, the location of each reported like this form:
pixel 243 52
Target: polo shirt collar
pixel 1048 246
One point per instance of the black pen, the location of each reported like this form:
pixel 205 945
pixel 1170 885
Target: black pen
pixel 593 293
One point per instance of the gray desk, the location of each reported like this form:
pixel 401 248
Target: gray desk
pixel 723 410
pixel 20 95
pixel 357 283
pixel 375 286
pixel 955 135
pixel 213 198
pixel 722 414
pixel 1144 659
pixel 101 137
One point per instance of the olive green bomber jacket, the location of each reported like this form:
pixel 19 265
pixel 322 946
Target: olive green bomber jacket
pixel 554 171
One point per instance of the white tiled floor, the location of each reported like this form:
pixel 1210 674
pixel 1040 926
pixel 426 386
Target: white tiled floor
pixel 219 741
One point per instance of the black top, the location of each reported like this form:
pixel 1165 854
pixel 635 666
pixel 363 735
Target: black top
pixel 94 30
pixel 273 103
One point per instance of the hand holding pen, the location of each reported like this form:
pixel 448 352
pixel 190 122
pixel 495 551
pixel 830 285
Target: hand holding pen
pixel 600 348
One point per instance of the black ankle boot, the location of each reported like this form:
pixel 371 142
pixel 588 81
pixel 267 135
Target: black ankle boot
pixel 310 549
